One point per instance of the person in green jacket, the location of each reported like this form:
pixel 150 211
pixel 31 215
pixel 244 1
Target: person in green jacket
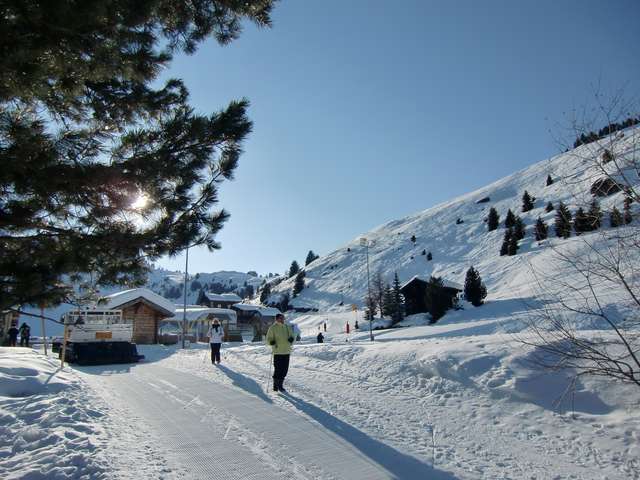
pixel 280 337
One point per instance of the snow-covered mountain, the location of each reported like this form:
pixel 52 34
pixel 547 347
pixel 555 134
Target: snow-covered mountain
pixel 456 234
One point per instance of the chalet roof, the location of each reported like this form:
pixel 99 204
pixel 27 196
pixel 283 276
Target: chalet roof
pixel 194 312
pixel 264 311
pixel 116 300
pixel 222 297
pixel 446 283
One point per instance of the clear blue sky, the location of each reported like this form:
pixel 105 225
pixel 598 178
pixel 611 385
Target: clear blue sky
pixel 366 111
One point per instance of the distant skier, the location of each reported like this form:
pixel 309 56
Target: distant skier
pixel 320 338
pixel 25 333
pixel 215 334
pixel 13 336
pixel 348 327
pixel 325 327
pixel 356 326
pixel 280 337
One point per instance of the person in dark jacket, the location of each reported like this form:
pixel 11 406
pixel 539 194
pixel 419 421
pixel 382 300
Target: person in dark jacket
pixel 13 336
pixel 25 333
pixel 280 337
pixel 320 338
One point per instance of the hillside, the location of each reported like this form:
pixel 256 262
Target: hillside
pixel 457 236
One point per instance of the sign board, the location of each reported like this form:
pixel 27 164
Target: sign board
pixel 103 335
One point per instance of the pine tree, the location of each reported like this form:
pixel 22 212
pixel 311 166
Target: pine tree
pixel 513 246
pixel 580 221
pixel 527 202
pixel 310 258
pixel 93 140
pixel 549 207
pixel 298 284
pixel 437 304
pixel 493 221
pixel 594 216
pixel 615 218
pixel 413 238
pixel 265 293
pixel 549 180
pixel 429 257
pixel 424 252
pixel 518 229
pixel 541 230
pixel 510 220
pixel 563 221
pixel 504 249
pixel 388 303
pixel 293 269
pixel 627 210
pixel 370 308
pixel 398 303
pixel 474 290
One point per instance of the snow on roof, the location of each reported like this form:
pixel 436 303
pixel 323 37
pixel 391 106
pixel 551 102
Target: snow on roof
pixel 223 297
pixel 196 313
pixel 118 299
pixel 445 282
pixel 264 311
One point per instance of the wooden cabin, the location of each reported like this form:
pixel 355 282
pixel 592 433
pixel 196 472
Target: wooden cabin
pixel 144 309
pixel 218 300
pixel 414 292
pixel 8 319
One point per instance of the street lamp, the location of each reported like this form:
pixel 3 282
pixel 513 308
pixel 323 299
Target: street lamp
pixel 365 243
pixel 184 312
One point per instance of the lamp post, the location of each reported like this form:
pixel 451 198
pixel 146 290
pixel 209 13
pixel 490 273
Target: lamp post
pixel 184 312
pixel 365 243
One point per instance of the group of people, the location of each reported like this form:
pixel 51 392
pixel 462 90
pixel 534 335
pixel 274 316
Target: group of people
pixel 280 337
pixel 25 334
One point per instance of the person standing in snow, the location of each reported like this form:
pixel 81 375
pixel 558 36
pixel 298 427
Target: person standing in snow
pixel 215 334
pixel 320 338
pixel 280 338
pixel 13 336
pixel 25 333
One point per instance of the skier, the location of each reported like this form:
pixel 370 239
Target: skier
pixel 215 334
pixel 356 326
pixel 320 338
pixel 325 326
pixel 280 337
pixel 25 333
pixel 13 336
pixel 348 327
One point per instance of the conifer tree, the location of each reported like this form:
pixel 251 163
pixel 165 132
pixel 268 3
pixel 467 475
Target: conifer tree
pixel 310 258
pixel 298 285
pixel 540 230
pixel 437 304
pixel 429 257
pixel 92 140
pixel 527 202
pixel 265 293
pixel 510 220
pixel 549 207
pixel 474 290
pixel 413 239
pixel 398 303
pixel 580 221
pixel 518 229
pixel 549 180
pixel 388 303
pixel 563 221
pixel 424 252
pixel 627 210
pixel 493 220
pixel 594 216
pixel 615 218
pixel 513 246
pixel 504 249
pixel 293 269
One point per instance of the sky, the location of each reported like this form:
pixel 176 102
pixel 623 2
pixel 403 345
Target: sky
pixel 368 111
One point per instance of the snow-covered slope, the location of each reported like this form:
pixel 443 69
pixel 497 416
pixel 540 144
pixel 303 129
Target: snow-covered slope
pixel 457 236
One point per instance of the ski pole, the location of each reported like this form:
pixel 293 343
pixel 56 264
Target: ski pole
pixel 269 379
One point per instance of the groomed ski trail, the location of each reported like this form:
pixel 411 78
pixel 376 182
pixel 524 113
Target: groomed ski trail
pixel 209 430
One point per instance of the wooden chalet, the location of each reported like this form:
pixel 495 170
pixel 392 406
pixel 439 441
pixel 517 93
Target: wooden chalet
pixel 414 292
pixel 144 309
pixel 8 319
pixel 217 300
